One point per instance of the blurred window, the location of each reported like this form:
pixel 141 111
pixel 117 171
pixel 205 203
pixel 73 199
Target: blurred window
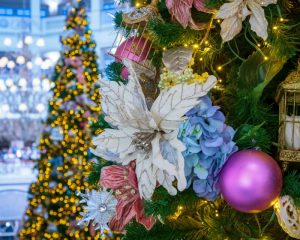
pixel 108 11
pixel 18 12
pixel 108 5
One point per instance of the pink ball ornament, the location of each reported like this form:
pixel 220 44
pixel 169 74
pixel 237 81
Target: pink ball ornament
pixel 124 73
pixel 250 181
pixel 134 48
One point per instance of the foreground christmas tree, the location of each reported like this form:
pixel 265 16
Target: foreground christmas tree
pixel 171 167
pixel 52 212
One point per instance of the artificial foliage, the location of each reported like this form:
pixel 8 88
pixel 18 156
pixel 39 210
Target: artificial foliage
pixel 249 64
pixel 113 71
pixel 291 186
pixel 53 211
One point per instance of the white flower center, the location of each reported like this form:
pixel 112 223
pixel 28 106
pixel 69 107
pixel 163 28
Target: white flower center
pixel 142 140
pixel 102 207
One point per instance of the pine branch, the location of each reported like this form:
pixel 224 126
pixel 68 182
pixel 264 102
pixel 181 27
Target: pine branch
pixel 253 136
pixel 119 24
pixel 163 204
pixel 113 71
pixel 172 34
pixel 135 231
pixel 291 186
pixel 94 176
pixel 100 124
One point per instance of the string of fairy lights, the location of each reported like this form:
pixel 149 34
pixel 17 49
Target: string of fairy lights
pixel 206 46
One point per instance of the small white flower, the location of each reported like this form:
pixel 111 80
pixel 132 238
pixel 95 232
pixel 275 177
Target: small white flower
pixel 235 12
pixel 100 208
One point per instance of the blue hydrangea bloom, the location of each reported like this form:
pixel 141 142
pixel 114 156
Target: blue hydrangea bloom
pixel 209 143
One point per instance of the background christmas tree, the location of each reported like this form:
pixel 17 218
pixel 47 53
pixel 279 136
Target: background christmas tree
pixel 249 65
pixel 52 212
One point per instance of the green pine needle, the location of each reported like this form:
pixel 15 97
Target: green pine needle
pixel 100 124
pixel 291 186
pixel 113 71
pixel 253 136
pixel 172 34
pixel 94 176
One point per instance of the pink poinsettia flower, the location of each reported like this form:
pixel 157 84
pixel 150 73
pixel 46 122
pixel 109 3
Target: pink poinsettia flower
pixel 181 11
pixel 123 180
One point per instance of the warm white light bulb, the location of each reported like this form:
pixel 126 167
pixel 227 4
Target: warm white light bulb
pixel 5 108
pixel 40 42
pixel 22 107
pixel 46 84
pixel 22 82
pixel 20 44
pixel 45 65
pixel 7 41
pixel 13 88
pixel 9 82
pixel 28 40
pixel 52 56
pixel 38 61
pixel 53 6
pixel 20 60
pixel 36 82
pixel 18 153
pixel 29 65
pixel 40 107
pixel 11 64
pixel 3 62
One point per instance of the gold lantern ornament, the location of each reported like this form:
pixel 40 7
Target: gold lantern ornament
pixel 137 46
pixel 133 43
pixel 288 99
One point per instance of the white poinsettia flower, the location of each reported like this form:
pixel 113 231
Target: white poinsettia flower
pixel 147 136
pixel 235 12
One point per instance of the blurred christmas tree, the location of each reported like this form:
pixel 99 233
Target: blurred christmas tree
pixel 52 212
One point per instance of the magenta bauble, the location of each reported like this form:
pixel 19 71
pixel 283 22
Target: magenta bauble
pixel 125 73
pixel 134 48
pixel 250 181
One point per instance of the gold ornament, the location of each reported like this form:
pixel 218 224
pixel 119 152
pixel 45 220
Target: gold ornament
pixel 177 59
pixel 288 216
pixel 135 23
pixel 288 99
pixel 141 15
